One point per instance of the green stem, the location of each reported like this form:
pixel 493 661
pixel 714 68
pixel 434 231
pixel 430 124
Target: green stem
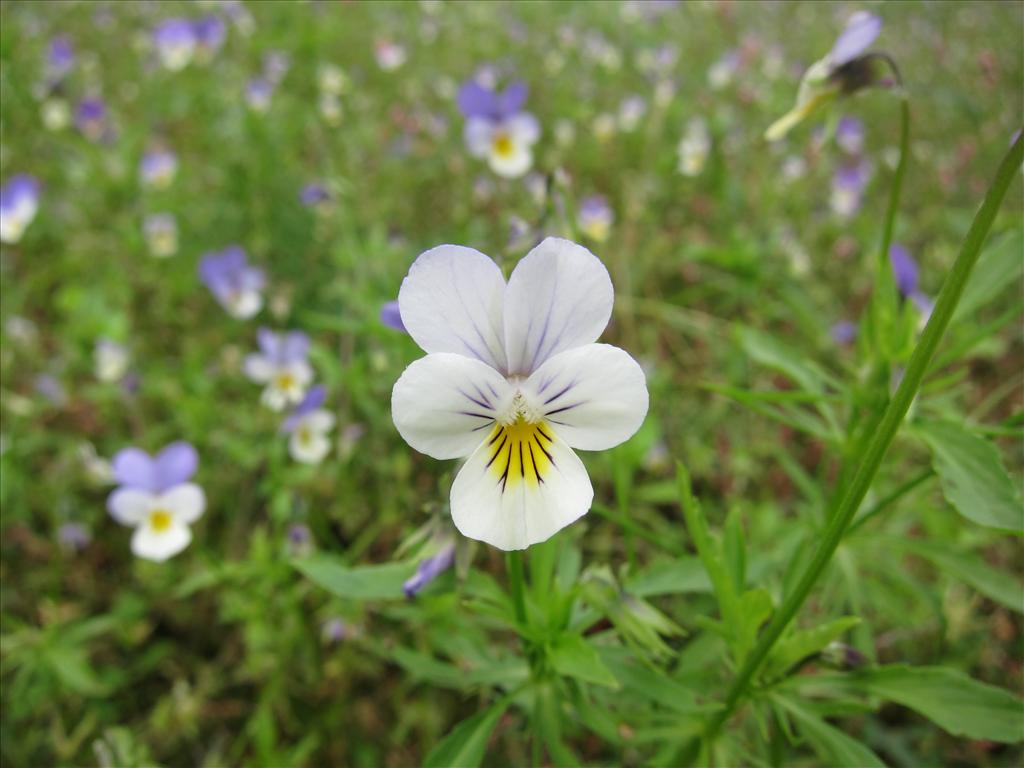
pixel 883 434
pixel 515 582
pixel 893 497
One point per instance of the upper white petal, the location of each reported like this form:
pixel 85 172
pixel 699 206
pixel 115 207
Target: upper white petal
pixel 515 515
pixel 523 128
pixel 186 502
pixel 443 404
pixel 452 301
pixel 558 297
pixel 129 506
pixel 150 544
pixel 319 421
pixel 594 396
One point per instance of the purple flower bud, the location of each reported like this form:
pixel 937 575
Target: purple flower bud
pixel 429 570
pixel 300 540
pixel 73 537
pixel 314 194
pixel 258 92
pixel 60 58
pixel 334 630
pixel 844 332
pixel 51 389
pixel 391 316
pixel 91 118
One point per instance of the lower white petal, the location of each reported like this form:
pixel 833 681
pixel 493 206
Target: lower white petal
pixel 513 163
pixel 129 506
pixel 594 396
pixel 308 447
pixel 443 404
pixel 151 544
pixel 520 487
pixel 185 502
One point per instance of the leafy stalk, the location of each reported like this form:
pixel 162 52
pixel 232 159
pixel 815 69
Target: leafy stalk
pixel 882 434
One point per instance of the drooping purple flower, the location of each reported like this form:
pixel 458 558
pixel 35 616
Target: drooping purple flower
pixel 175 464
pixel 73 537
pixel 91 118
pixel 904 269
pixel 311 402
pixel 313 194
pixel 60 58
pixel 334 630
pixel 257 94
pixel 429 570
pixel 300 540
pixel 850 135
pixel 210 33
pixel 391 316
pixel 175 43
pixel 19 202
pixel 235 284
pixel 861 30
pixel 844 332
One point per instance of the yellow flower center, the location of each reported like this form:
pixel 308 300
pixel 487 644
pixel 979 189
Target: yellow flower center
pixel 520 452
pixel 503 146
pixel 160 520
pixel 285 381
pixel 305 436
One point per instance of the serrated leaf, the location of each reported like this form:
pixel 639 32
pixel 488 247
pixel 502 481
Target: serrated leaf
pixel 573 656
pixel 466 743
pixel 773 353
pixel 972 476
pixel 832 745
pixel 999 266
pixel 804 643
pixel 363 582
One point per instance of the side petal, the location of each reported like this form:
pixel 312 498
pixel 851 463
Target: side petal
pixel 443 404
pixel 185 502
pixel 258 368
pixel 559 297
pixel 452 301
pixel 595 396
pixel 175 464
pixel 524 128
pixel 158 546
pixel 478 133
pixel 134 468
pixel 129 506
pixel 511 498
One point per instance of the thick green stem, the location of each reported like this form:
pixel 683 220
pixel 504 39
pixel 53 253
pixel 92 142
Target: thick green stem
pixel 883 433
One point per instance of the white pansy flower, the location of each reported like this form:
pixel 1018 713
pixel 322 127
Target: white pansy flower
pixel 280 364
pixel 308 426
pixel 161 520
pixel 506 143
pixel 513 381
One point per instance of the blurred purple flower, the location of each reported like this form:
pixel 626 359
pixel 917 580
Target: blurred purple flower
pixel 91 118
pixel 60 58
pixel 175 42
pixel 477 100
pixel 210 33
pixel 282 366
pixel 391 316
pixel 905 271
pixel 175 464
pixel 311 402
pixel 861 30
pixel 19 202
pixel 235 284
pixel 596 217
pixel 73 537
pixel 51 389
pixel 850 135
pixel 848 185
pixel 276 65
pixel 313 194
pixel 844 332
pixel 257 94
pixel 158 167
pixel 300 540
pixel 333 630
pixel 429 570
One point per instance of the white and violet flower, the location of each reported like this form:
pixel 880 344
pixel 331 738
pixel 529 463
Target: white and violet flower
pixel 308 426
pixel 514 381
pixel 497 127
pixel 282 366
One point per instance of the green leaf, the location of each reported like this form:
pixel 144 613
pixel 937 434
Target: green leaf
pixel 364 582
pixel 670 577
pixel 952 700
pixel 465 744
pixel 573 656
pixel 804 643
pixel 832 745
pixel 972 476
pixel 997 585
pixel 772 353
pixel 999 266
pixel 649 683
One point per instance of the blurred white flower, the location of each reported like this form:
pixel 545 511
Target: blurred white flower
pixel 110 360
pixel 694 148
